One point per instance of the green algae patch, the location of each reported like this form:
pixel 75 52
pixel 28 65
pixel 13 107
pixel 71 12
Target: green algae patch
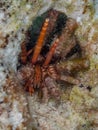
pixel 79 97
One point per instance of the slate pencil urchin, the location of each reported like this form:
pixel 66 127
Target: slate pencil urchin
pixel 50 41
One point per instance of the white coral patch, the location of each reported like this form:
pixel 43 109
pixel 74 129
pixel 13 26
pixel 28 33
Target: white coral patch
pixel 15 117
pixel 2 76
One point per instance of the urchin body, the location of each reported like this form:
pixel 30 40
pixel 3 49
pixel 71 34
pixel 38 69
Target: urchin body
pixel 54 44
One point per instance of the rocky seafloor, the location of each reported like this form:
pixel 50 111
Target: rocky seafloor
pixel 78 108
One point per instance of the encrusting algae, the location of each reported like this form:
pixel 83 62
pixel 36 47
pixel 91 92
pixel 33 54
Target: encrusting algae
pixel 77 107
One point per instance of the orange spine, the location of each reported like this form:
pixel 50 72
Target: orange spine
pixel 23 55
pixel 37 76
pixel 51 52
pixel 40 41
